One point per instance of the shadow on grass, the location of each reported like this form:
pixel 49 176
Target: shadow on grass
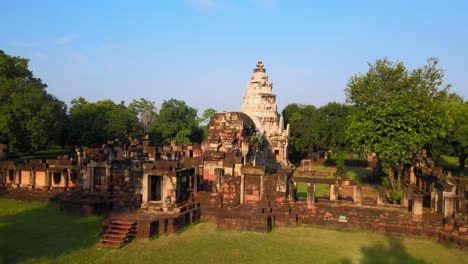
pixel 44 233
pixel 394 252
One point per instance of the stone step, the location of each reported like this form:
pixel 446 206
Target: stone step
pixel 111 241
pixel 118 231
pixel 110 235
pixel 123 222
pixel 114 226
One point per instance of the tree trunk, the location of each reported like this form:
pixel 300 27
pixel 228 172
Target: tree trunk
pixel 391 175
pixel 461 164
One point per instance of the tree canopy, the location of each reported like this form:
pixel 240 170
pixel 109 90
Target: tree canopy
pixel 30 118
pixel 397 112
pixel 177 122
pixel 95 123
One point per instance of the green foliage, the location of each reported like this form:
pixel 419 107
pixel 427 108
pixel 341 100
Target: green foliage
pixel 303 138
pixel 330 124
pixel 146 113
pixel 396 195
pixel 339 159
pixel 397 113
pixel 94 123
pixel 30 118
pixel 386 182
pixel 457 138
pixel 178 122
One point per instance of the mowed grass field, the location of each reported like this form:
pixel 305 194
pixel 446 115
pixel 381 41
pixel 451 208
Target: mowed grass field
pixel 38 233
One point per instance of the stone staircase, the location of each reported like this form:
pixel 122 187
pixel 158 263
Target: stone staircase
pixel 117 234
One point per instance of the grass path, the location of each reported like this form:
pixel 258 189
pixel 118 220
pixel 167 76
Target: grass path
pixel 37 233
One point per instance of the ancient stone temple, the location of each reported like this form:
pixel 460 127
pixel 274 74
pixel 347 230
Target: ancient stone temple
pixel 260 104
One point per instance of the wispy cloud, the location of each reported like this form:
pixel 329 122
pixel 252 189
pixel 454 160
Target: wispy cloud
pixel 65 39
pixel 202 5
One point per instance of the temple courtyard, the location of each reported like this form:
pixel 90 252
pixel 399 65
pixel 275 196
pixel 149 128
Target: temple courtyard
pixel 34 232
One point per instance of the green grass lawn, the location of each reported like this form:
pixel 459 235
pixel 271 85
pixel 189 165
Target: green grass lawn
pixel 36 233
pixel 33 231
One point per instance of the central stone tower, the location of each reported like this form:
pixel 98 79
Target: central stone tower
pixel 260 104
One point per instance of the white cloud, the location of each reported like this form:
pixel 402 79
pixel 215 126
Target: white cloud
pixel 65 39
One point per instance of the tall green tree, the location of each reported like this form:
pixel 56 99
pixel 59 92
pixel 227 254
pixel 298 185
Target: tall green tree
pixel 177 121
pixel 303 139
pixel 92 124
pixel 330 124
pixel 30 118
pixel 122 122
pixel 146 112
pixel 397 112
pixel 457 138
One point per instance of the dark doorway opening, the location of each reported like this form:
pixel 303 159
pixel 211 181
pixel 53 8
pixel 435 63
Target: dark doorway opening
pixel 156 184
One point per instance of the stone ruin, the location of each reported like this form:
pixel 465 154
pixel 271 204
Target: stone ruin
pixel 238 178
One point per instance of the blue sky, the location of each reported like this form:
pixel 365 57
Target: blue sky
pixel 203 51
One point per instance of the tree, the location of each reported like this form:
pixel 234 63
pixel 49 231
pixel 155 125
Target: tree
pixel 122 122
pixel 303 137
pixel 92 124
pixel 178 122
pixel 330 124
pixel 457 138
pixel 30 118
pixel 397 113
pixel 146 112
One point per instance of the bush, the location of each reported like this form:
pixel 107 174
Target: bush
pixel 396 195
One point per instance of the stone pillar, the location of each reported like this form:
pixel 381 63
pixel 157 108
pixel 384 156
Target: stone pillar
pixel 108 183
pixel 412 178
pixel 356 194
pixel 381 195
pixel 417 204
pixel 310 194
pixel 170 226
pixel 407 196
pixel 448 206
pixel 433 201
pixel 47 179
pixel 17 178
pixel 463 209
pixel 291 192
pixel 333 193
pixel 241 198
